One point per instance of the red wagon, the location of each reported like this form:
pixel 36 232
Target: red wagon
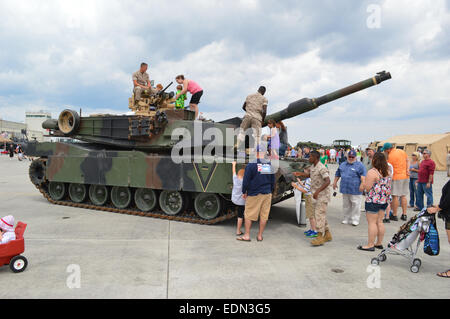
pixel 10 252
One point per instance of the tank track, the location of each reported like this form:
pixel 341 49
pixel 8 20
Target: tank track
pixel 186 216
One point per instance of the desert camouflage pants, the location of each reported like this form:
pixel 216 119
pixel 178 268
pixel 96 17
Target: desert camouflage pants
pixel 249 122
pixel 320 214
pixel 138 92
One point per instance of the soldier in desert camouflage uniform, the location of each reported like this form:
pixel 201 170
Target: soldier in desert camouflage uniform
pixel 321 190
pixel 141 82
pixel 255 107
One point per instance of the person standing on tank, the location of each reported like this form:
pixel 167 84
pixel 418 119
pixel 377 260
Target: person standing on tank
pixel 141 81
pixel 193 88
pixel 255 107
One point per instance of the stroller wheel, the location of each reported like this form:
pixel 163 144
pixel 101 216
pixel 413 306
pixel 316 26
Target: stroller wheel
pixel 382 257
pixel 414 269
pixel 417 262
pixel 375 261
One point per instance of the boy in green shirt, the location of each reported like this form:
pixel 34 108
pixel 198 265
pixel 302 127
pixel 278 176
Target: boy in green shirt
pixel 179 103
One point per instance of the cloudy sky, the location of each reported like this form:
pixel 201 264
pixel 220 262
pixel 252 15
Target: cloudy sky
pixel 81 54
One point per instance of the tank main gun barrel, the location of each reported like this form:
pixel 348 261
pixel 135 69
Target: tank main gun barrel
pixel 305 105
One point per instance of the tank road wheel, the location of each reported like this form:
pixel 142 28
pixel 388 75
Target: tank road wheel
pixel 171 202
pixel 121 196
pixel 207 205
pixel 77 192
pixel 145 199
pixel 57 190
pixel 98 194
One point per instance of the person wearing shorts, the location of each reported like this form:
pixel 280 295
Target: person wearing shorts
pixel 378 189
pixel 257 187
pixel 193 88
pixel 237 198
pixel 400 181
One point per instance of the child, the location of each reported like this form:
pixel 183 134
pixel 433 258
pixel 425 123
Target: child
pixel 274 139
pixel 236 197
pixel 7 229
pixel 159 87
pixel 305 188
pixel 179 103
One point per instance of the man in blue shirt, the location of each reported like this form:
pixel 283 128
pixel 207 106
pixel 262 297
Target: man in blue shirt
pixel 257 187
pixel 352 174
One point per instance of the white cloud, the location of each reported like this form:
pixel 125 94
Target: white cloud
pixel 82 53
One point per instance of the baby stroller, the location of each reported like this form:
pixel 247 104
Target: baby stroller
pixel 402 243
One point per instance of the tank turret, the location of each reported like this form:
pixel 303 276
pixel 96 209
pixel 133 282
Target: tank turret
pixel 156 118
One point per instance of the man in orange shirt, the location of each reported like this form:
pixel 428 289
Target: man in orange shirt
pixel 400 187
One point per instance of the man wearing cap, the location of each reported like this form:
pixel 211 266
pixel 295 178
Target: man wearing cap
pixel 352 174
pixel 7 229
pixel 141 81
pixel 425 180
pixel 400 180
pixel 321 190
pixel 255 107
pixel 257 187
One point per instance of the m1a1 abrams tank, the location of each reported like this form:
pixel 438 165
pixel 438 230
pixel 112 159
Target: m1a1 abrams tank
pixel 131 163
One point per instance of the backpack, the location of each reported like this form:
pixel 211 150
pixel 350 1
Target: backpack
pixel 431 240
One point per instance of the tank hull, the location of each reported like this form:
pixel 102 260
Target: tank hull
pixel 69 165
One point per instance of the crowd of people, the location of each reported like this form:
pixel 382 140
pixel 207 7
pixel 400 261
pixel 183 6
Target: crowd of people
pixel 381 180
pixel 12 149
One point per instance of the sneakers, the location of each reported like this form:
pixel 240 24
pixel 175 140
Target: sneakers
pixel 386 220
pixel 345 222
pixel 311 234
pixel 404 217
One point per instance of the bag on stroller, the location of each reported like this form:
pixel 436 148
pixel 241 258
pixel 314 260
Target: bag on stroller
pixel 402 242
pixel 431 240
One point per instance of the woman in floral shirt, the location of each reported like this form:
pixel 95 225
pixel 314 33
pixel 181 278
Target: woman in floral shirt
pixel 378 190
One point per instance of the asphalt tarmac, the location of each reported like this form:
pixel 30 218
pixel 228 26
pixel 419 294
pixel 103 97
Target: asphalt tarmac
pixel 79 253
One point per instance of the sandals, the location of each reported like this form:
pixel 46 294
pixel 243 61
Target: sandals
pixel 242 239
pixel 444 274
pixel 257 239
